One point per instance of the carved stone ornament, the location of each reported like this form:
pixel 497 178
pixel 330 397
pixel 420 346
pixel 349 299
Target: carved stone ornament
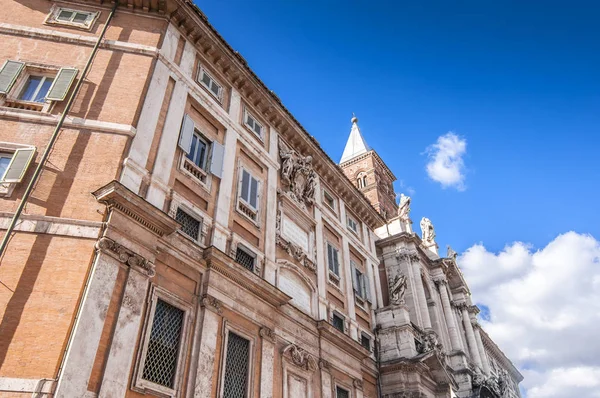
pixel 440 281
pixel 211 303
pixel 398 289
pixel 267 334
pixel 451 253
pixel 125 256
pixel 406 254
pixel 300 357
pixel 323 364
pixel 297 175
pixel 357 383
pixel 404 394
pixel 292 249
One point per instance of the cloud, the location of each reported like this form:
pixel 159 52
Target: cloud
pixel 446 164
pixel 543 310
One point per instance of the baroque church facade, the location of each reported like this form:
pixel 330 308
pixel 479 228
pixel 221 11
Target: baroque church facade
pixel 171 230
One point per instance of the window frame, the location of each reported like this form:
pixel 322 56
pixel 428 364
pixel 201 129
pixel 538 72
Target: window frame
pixel 4 153
pixel 193 214
pixel 356 228
pixel 336 314
pixel 243 206
pixel 336 275
pixel 227 328
pixel 250 253
pixel 341 387
pixel 203 71
pixel 52 18
pixel 332 207
pixel 142 385
pixel 245 114
pixel 12 97
pixel 208 144
pixel 366 336
pixel 37 90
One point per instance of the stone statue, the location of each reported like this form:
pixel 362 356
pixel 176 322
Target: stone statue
pixel 451 253
pixel 427 232
pixel 404 207
pixel 297 175
pixel 398 289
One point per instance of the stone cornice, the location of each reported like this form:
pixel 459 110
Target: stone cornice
pixel 118 197
pixel 223 264
pixel 497 353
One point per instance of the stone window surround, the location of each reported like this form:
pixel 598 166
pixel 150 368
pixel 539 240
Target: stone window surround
pixel 337 383
pixel 178 201
pixel 206 185
pixel 247 111
pixel 7 188
pixel 330 274
pixel 138 383
pixel 334 310
pixel 368 334
pixel 238 196
pixel 291 369
pixel 335 208
pixel 51 19
pixel 30 69
pixel 227 327
pixel 202 69
pixel 237 240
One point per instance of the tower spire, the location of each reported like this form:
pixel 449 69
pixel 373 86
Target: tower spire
pixel 356 144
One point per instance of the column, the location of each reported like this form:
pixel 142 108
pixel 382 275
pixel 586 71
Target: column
pixel 473 349
pixel 266 363
pixel 208 347
pixel 452 330
pixel 422 300
pixel 81 352
pixel 122 350
pixel 484 360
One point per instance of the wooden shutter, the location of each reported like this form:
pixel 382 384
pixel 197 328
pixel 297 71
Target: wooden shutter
pixel 217 159
pixel 354 277
pixel 186 133
pixel 336 262
pixel 18 165
pixel 8 75
pixel 60 87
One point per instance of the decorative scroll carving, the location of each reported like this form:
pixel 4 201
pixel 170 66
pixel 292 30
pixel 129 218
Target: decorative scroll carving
pixel 357 383
pixel 291 248
pixel 297 175
pixel 406 254
pixel 398 289
pixel 126 256
pixel 211 303
pixel 427 232
pixel 300 357
pixel 267 333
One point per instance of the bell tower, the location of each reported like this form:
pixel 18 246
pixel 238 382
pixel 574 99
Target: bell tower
pixel 363 166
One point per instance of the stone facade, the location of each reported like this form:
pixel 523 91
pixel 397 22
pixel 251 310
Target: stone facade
pixel 188 238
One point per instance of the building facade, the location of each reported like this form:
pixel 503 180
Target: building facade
pixel 188 238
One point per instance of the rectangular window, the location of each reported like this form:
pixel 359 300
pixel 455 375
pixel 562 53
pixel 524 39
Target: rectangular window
pixel 76 18
pixel 338 322
pixel 237 365
pixel 253 124
pixel 210 83
pixel 36 88
pixel 245 258
pixel 190 225
pixel 333 259
pixel 5 159
pixel 198 150
pixel 359 282
pixel 329 200
pixel 249 193
pixel 352 225
pixel 160 365
pixel 365 341
pixel 341 393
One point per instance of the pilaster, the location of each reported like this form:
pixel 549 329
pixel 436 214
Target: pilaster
pixel 266 363
pixel 208 347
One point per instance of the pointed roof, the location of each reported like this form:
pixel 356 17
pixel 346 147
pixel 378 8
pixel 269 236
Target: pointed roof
pixel 356 144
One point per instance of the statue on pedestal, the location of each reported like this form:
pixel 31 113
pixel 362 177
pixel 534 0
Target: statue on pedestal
pixel 451 253
pixel 404 207
pixel 427 232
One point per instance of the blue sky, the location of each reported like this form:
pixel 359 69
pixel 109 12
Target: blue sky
pixel 519 82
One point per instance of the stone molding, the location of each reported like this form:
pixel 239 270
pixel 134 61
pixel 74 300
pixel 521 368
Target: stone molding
pixel 324 365
pixel 299 357
pixel 40 224
pixel 267 334
pixel 212 304
pixel 439 281
pixel 125 256
pixel 407 254
pixel 357 383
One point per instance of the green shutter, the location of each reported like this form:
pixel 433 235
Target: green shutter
pixel 8 75
pixel 18 165
pixel 61 84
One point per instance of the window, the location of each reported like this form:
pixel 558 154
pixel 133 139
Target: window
pixel 360 283
pixel 160 365
pixel 352 225
pixel 361 180
pixel 245 258
pixel 329 200
pixel 338 322
pixel 365 341
pixel 341 393
pixel 75 18
pixel 333 259
pixel 237 366
pixel 190 226
pixel 5 159
pixel 210 83
pixel 198 150
pixel 13 165
pixel 36 88
pixel 248 192
pixel 252 124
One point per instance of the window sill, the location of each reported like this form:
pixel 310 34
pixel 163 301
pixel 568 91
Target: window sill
pixel 246 211
pixel 26 105
pixel 6 189
pixel 198 175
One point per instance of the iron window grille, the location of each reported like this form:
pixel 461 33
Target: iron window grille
pixel 245 259
pixel 341 393
pixel 160 365
pixel 237 364
pixel 338 322
pixel 365 341
pixel 189 225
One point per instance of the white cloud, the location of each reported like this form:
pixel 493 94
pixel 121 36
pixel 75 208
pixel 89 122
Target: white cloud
pixel 446 164
pixel 544 311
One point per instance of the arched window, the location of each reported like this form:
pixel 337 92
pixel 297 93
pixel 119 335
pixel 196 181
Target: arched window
pixel 361 180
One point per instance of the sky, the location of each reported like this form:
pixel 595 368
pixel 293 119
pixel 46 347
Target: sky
pixel 488 113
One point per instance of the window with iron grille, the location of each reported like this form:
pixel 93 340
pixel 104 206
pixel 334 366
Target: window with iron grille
pixel 237 362
pixel 189 225
pixel 245 258
pixel 160 366
pixel 341 393
pixel 338 322
pixel 365 341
